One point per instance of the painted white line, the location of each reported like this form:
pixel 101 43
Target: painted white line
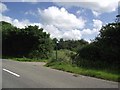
pixel 11 72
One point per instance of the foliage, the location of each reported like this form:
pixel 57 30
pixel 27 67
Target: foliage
pixel 72 45
pixel 109 42
pixel 84 71
pixel 29 42
pixel 104 51
pixel 63 55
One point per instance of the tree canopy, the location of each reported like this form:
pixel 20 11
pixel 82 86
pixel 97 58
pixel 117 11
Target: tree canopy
pixel 104 50
pixel 29 42
pixel 72 45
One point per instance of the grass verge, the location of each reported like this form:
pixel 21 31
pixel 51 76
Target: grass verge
pixel 26 59
pixel 83 71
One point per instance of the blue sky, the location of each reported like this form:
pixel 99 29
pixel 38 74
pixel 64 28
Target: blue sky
pixel 61 20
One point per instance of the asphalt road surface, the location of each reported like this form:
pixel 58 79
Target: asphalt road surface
pixel 34 75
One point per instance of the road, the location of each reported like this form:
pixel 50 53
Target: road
pixel 34 75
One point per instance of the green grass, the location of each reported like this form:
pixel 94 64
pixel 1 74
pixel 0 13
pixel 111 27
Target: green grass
pixel 29 60
pixel 64 63
pixel 83 71
pixel 26 59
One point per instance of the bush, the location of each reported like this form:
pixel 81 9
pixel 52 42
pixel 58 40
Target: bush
pixel 90 52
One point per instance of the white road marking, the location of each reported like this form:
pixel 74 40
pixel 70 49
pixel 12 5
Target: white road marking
pixel 11 72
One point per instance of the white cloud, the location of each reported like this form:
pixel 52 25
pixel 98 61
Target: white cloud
pixel 66 35
pixel 88 34
pixel 3 7
pixel 61 24
pixel 72 35
pixel 61 18
pixel 5 18
pixel 86 31
pixel 18 23
pixel 97 24
pixel 54 31
pixel 97 6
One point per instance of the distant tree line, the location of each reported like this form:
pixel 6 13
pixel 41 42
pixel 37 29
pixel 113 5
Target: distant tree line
pixel 72 45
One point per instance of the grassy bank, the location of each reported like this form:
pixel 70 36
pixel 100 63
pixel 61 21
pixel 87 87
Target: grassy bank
pixel 64 63
pixel 83 71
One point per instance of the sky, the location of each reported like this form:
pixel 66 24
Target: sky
pixel 67 20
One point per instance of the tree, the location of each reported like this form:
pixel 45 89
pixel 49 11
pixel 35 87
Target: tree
pixel 30 42
pixel 103 52
pixel 109 42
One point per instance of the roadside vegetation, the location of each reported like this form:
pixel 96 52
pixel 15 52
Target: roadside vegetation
pixel 100 58
pixel 65 62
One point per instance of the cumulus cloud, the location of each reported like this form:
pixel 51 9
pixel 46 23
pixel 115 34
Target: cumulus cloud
pixel 91 33
pixel 61 18
pixel 97 6
pixel 15 22
pixel 18 23
pixel 54 31
pixel 72 35
pixel 97 24
pixel 61 24
pixel 3 7
pixel 5 18
pixel 86 31
pixel 66 35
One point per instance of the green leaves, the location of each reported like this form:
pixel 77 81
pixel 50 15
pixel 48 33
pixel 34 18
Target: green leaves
pixel 72 45
pixel 29 42
pixel 104 51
